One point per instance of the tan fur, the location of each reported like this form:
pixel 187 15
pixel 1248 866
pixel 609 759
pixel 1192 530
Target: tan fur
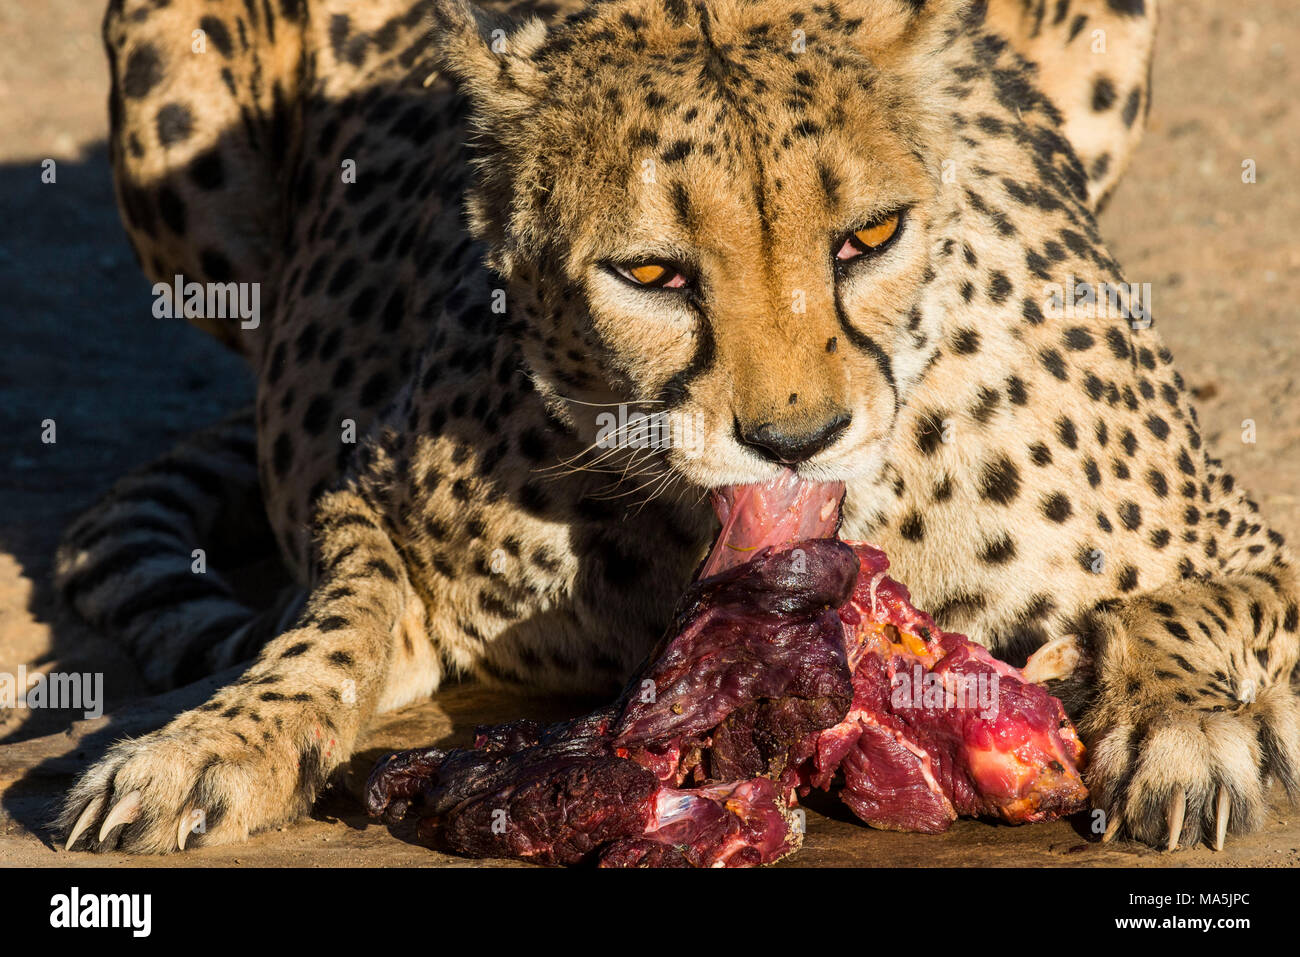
pixel 1096 67
pixel 1030 475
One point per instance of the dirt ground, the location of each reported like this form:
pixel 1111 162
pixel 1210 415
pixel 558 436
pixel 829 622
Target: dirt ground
pixel 81 348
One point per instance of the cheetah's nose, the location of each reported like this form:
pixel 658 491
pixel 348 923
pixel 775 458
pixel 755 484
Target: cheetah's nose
pixel 792 442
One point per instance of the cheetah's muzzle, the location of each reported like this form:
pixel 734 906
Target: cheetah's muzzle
pixel 793 662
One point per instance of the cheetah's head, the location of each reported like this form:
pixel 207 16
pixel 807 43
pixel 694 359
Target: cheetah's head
pixel 715 211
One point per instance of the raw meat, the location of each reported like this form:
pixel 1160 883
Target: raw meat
pixel 793 662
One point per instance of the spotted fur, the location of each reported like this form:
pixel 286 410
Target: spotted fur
pixel 1031 475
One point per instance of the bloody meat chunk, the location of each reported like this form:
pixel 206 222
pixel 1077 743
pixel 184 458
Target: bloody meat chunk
pixel 793 662
pixel 939 727
pixel 692 755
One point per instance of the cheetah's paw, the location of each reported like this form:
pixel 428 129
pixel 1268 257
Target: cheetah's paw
pixel 1174 776
pixel 175 789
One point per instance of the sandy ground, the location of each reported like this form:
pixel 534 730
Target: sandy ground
pixel 81 348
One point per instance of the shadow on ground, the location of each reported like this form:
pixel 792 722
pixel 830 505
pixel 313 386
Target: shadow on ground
pixel 84 356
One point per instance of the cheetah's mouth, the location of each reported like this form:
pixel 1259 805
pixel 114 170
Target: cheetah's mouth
pixel 777 513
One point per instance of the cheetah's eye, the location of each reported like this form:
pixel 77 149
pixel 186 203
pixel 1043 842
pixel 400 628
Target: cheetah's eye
pixel 870 239
pixel 653 275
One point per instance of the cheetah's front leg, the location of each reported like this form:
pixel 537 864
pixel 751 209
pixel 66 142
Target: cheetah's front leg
pixel 1194 712
pixel 255 755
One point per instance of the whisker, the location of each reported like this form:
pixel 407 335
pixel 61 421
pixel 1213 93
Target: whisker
pixel 611 495
pixel 606 405
pixel 665 483
pixel 632 491
pixel 618 440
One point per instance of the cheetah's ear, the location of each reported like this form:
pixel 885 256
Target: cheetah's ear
pixel 489 54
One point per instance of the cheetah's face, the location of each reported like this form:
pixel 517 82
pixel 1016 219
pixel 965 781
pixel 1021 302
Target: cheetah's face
pixel 764 306
pixel 736 244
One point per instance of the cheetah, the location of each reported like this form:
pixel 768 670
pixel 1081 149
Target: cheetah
pixel 835 234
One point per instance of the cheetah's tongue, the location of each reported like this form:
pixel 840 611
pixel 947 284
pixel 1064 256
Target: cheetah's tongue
pixel 778 513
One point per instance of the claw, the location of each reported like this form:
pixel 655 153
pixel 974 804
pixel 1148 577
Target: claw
pixel 124 812
pixel 1112 828
pixel 1054 660
pixel 89 814
pixel 1177 808
pixel 1222 810
pixel 185 828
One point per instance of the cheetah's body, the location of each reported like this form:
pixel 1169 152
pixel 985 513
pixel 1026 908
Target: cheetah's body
pixel 1030 475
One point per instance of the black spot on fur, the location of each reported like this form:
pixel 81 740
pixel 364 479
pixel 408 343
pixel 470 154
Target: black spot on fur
pixel 1053 363
pixel 375 390
pixel 960 604
pixel 1118 344
pixel 1131 106
pixel 1066 432
pixel 1103 94
pixel 1057 507
pixel 679 150
pixel 281 454
pixel 174 124
pixel 143 72
pixel 1158 427
pixel 966 341
pixel 218 34
pixel 929 432
pixel 998 551
pixel 1077 339
pixel 1000 481
pixel 1092 472
pixel 172 210
pixel 215 266
pixel 206 170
